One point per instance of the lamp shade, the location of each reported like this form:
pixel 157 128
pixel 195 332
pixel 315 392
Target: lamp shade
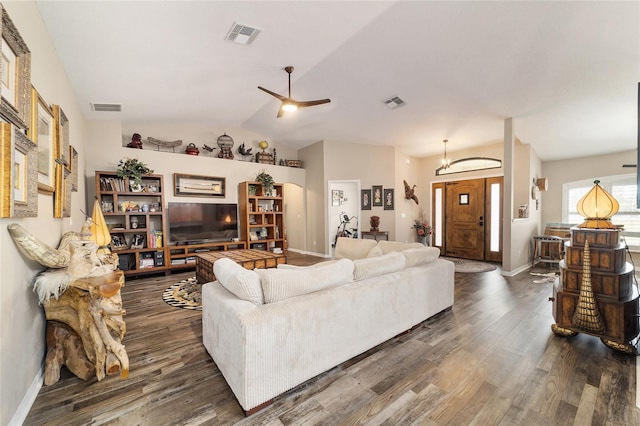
pixel 597 206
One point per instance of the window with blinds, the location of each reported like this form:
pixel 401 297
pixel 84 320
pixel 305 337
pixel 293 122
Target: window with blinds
pixel 623 188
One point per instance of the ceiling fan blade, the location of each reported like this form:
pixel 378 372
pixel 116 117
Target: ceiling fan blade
pixel 280 112
pixel 274 94
pixel 303 104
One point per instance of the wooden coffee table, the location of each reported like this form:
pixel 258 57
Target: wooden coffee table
pixel 249 259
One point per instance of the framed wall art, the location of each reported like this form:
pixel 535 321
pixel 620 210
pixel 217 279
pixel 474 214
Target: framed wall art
pixel 376 200
pixel 18 187
pixel 62 192
pixel 15 75
pixel 365 199
pixel 73 177
pixel 388 199
pixel 42 133
pixel 199 186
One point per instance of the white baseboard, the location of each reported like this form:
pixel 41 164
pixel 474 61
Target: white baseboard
pixel 515 271
pixel 29 398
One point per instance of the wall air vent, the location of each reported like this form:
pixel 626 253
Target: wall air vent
pixel 394 102
pixel 104 107
pixel 242 34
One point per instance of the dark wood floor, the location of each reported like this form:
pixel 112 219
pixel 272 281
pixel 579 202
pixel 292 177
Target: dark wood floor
pixel 491 360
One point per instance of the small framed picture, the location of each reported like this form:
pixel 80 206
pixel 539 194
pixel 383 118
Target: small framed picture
pixel 118 242
pixel 335 197
pixel 463 199
pixel 137 242
pixel 376 196
pixel 388 199
pixel 365 199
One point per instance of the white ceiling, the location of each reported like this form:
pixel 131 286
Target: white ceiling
pixel 567 72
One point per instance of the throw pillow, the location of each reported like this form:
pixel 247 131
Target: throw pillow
pixel 376 251
pixel 280 284
pixel 379 265
pixel 353 248
pixel 420 256
pixel 245 284
pixel 389 246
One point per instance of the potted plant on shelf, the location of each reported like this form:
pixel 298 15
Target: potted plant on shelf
pixel 266 181
pixel 133 169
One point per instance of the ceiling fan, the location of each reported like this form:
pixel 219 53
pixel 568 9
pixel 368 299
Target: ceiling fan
pixel 288 103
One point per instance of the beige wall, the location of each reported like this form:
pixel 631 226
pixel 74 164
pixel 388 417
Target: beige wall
pixel 21 318
pixel 316 219
pixel 570 170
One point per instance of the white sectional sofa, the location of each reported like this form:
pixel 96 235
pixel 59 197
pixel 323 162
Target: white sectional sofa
pixel 270 330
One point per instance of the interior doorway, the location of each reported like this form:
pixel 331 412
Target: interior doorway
pixel 467 218
pixel 343 206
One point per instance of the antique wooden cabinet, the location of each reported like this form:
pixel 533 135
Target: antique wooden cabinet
pixel 595 293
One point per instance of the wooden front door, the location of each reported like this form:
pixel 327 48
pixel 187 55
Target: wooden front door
pixel 464 219
pixel 467 218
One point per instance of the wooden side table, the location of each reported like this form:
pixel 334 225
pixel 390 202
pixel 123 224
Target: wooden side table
pixel 376 235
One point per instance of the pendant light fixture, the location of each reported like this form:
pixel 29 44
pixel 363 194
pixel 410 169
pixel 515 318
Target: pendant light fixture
pixel 445 162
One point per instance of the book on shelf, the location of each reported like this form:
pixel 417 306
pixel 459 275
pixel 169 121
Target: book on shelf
pixel 155 239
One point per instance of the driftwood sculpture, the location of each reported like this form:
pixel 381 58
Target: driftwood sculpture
pixel 409 192
pixel 80 294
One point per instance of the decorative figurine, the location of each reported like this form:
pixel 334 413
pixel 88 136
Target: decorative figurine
pixel 409 192
pixel 208 148
pixel 375 223
pixel 192 149
pixel 244 152
pixel 225 143
pixel 136 141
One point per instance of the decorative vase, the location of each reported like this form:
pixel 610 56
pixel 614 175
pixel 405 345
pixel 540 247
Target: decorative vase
pixel 424 240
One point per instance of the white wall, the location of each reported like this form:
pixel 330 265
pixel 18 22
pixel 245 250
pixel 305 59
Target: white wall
pixel 22 323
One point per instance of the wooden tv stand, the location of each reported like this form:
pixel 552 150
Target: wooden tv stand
pixel 184 256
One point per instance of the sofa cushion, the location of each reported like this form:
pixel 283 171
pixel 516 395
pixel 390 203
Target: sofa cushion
pixel 375 251
pixel 315 265
pixel 379 265
pixel 280 284
pixel 353 248
pixel 420 256
pixel 389 246
pixel 245 284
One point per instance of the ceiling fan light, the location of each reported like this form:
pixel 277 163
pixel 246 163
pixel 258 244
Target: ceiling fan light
pixel 289 107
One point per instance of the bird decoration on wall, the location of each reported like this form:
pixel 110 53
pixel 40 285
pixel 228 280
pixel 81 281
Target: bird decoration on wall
pixel 208 148
pixel 409 192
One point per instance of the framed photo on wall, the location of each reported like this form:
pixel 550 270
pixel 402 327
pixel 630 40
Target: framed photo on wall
pixel 365 199
pixel 388 199
pixel 376 195
pixel 335 197
pixel 42 133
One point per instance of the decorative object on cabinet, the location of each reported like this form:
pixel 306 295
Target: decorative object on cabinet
pixel 208 148
pixel 596 294
pixel 388 199
pixel 18 173
pixel 225 143
pixel 165 144
pixel 266 181
pixel 244 152
pixel 133 169
pixel 136 141
pixel 41 132
pixel 409 192
pixel 374 221
pixel 293 163
pixel 261 215
pixel 131 240
pixel 15 102
pixel 377 196
pixel 192 149
pixel 202 186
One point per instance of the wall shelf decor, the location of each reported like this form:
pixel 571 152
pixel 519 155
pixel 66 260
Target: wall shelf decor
pixel 198 186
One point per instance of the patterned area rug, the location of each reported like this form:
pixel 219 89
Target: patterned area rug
pixel 466 266
pixel 184 294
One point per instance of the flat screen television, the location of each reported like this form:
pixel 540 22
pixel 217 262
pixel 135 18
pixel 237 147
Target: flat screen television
pixel 194 223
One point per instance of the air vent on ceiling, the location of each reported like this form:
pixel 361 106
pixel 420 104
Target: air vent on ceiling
pixel 242 34
pixel 394 102
pixel 104 107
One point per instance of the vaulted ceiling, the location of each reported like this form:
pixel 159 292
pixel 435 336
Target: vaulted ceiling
pixel 567 72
